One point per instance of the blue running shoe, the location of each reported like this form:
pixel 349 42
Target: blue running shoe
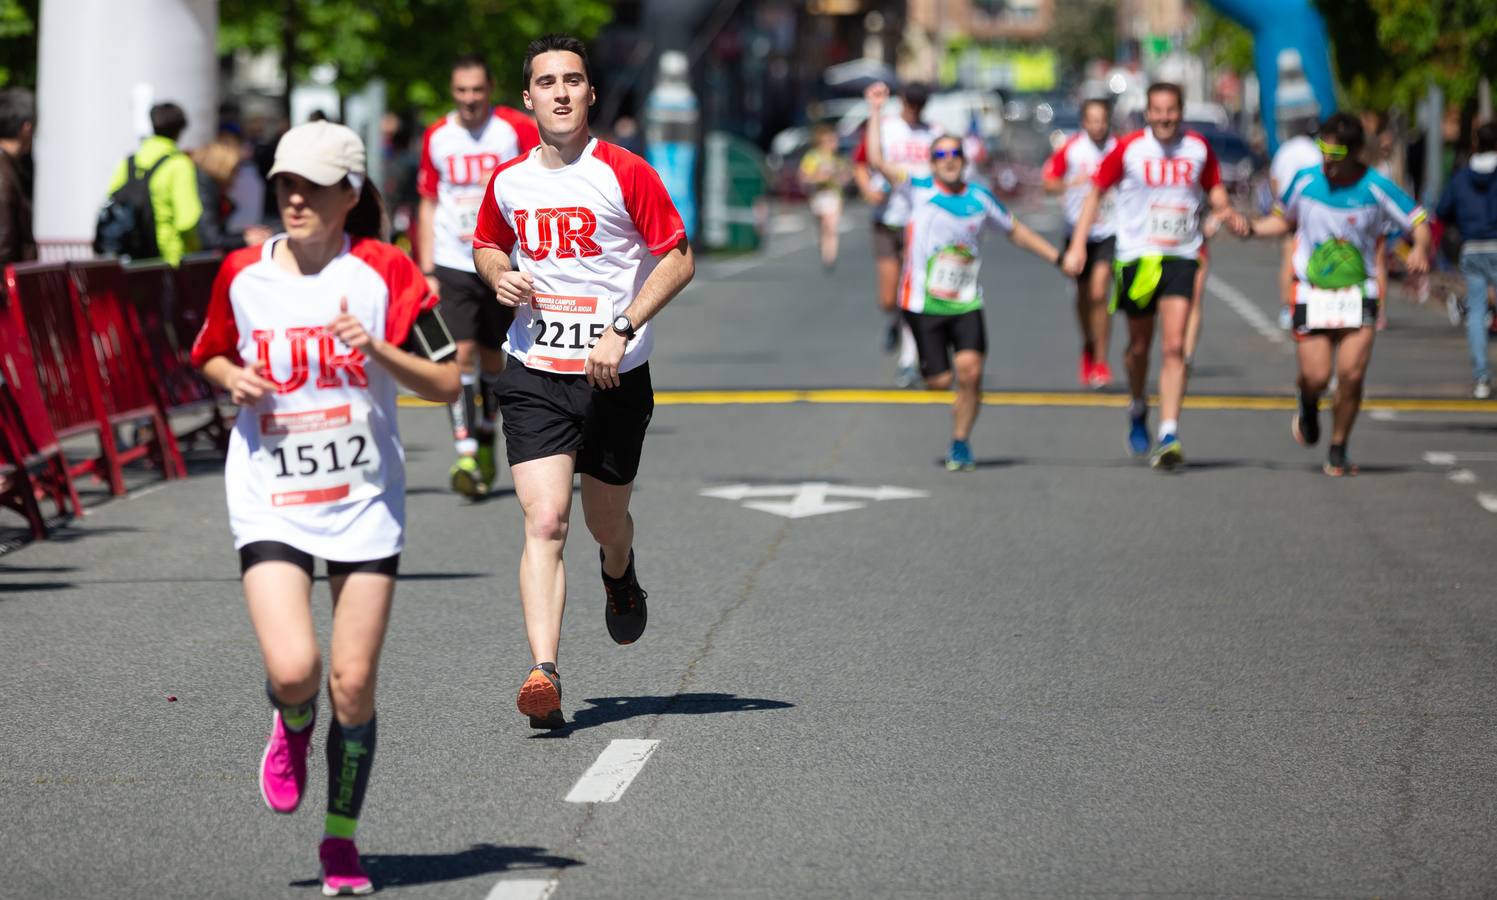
pixel 1168 455
pixel 959 458
pixel 1138 435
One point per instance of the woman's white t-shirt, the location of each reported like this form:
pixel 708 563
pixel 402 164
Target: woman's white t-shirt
pixel 318 464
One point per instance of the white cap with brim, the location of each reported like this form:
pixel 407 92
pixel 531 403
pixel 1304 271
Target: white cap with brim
pixel 322 152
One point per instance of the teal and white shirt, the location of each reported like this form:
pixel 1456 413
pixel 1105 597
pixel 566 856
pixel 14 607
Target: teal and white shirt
pixel 943 245
pixel 1337 227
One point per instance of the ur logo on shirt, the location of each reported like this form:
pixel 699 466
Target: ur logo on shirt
pixel 471 168
pixel 568 230
pixel 1165 172
pixel 330 363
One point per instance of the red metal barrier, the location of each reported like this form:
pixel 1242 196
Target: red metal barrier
pixel 128 391
pixel 151 290
pixel 195 275
pixel 28 446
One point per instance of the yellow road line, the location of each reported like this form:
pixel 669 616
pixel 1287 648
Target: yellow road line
pixel 1023 398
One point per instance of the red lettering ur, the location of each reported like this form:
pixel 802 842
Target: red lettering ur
pixel 566 230
pixel 1166 172
pixel 333 368
pixel 471 168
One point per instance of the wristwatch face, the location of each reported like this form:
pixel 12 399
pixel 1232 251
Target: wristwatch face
pixel 623 326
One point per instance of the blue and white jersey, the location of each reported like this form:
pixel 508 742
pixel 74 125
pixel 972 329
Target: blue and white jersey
pixel 943 245
pixel 1337 227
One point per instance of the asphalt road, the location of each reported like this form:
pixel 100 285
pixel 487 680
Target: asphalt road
pixel 1061 675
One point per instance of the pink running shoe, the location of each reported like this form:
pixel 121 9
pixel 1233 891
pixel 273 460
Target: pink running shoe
pixel 341 872
pixel 283 768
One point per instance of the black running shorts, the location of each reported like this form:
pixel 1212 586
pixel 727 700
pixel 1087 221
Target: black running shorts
pixel 888 242
pixel 547 414
pixel 470 309
pixel 1098 253
pixel 1177 279
pixel 938 337
pixel 275 551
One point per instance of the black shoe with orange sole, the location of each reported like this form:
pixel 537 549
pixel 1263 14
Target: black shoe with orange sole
pixel 626 613
pixel 540 697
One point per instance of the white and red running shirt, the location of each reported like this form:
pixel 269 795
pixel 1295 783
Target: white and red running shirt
pixel 318 464
pixel 1075 163
pixel 908 147
pixel 455 167
pixel 589 233
pixel 1159 192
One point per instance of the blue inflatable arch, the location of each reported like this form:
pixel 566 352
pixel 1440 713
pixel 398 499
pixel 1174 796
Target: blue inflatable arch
pixel 1292 56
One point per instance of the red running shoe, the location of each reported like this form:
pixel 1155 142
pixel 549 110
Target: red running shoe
pixel 1101 376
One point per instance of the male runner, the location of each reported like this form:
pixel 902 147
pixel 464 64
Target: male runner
pixel 1070 169
pixel 458 154
pixel 581 238
pixel 1160 174
pixel 939 293
pixel 906 143
pixel 1293 156
pixel 1338 212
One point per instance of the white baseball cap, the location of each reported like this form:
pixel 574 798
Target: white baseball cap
pixel 321 152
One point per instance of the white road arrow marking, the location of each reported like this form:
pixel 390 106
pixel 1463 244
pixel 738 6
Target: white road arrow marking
pixel 1488 502
pixel 813 498
pixel 1462 476
pixel 1439 458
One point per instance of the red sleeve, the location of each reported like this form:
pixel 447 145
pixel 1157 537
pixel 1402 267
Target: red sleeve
pixel 645 197
pixel 220 333
pixel 526 134
pixel 426 174
pixel 860 149
pixel 1211 174
pixel 1110 170
pixel 492 231
pixel 409 295
pixel 1055 166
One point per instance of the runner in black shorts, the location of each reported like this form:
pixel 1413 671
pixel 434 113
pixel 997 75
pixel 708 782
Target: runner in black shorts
pixel 458 153
pixel 582 240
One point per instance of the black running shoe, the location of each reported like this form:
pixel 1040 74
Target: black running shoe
pixel 1305 426
pixel 626 612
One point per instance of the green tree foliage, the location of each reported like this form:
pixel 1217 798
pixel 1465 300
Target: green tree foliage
pixel 408 43
pixel 1389 51
pixel 18 42
pixel 1221 42
pixel 1084 30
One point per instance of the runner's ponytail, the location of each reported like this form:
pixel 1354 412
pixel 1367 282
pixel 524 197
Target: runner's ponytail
pixel 368 219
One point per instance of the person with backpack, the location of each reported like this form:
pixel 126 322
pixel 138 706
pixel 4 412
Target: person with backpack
pixel 153 206
pixel 1470 203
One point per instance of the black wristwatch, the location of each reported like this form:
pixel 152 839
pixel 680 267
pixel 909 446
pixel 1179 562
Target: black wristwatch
pixel 623 326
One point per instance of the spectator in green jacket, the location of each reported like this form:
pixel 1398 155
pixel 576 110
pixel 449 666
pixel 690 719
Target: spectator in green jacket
pixel 174 187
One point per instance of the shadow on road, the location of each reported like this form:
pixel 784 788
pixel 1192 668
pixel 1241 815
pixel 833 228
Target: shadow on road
pixel 393 870
pixel 616 709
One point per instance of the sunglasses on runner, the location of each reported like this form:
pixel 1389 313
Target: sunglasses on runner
pixel 947 154
pixel 1335 152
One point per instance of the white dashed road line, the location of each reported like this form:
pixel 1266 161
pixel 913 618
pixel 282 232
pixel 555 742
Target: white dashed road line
pixel 1248 310
pixel 1488 502
pixel 1462 476
pixel 523 889
pixel 610 774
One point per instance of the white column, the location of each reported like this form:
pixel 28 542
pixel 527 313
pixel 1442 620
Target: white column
pixel 101 64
